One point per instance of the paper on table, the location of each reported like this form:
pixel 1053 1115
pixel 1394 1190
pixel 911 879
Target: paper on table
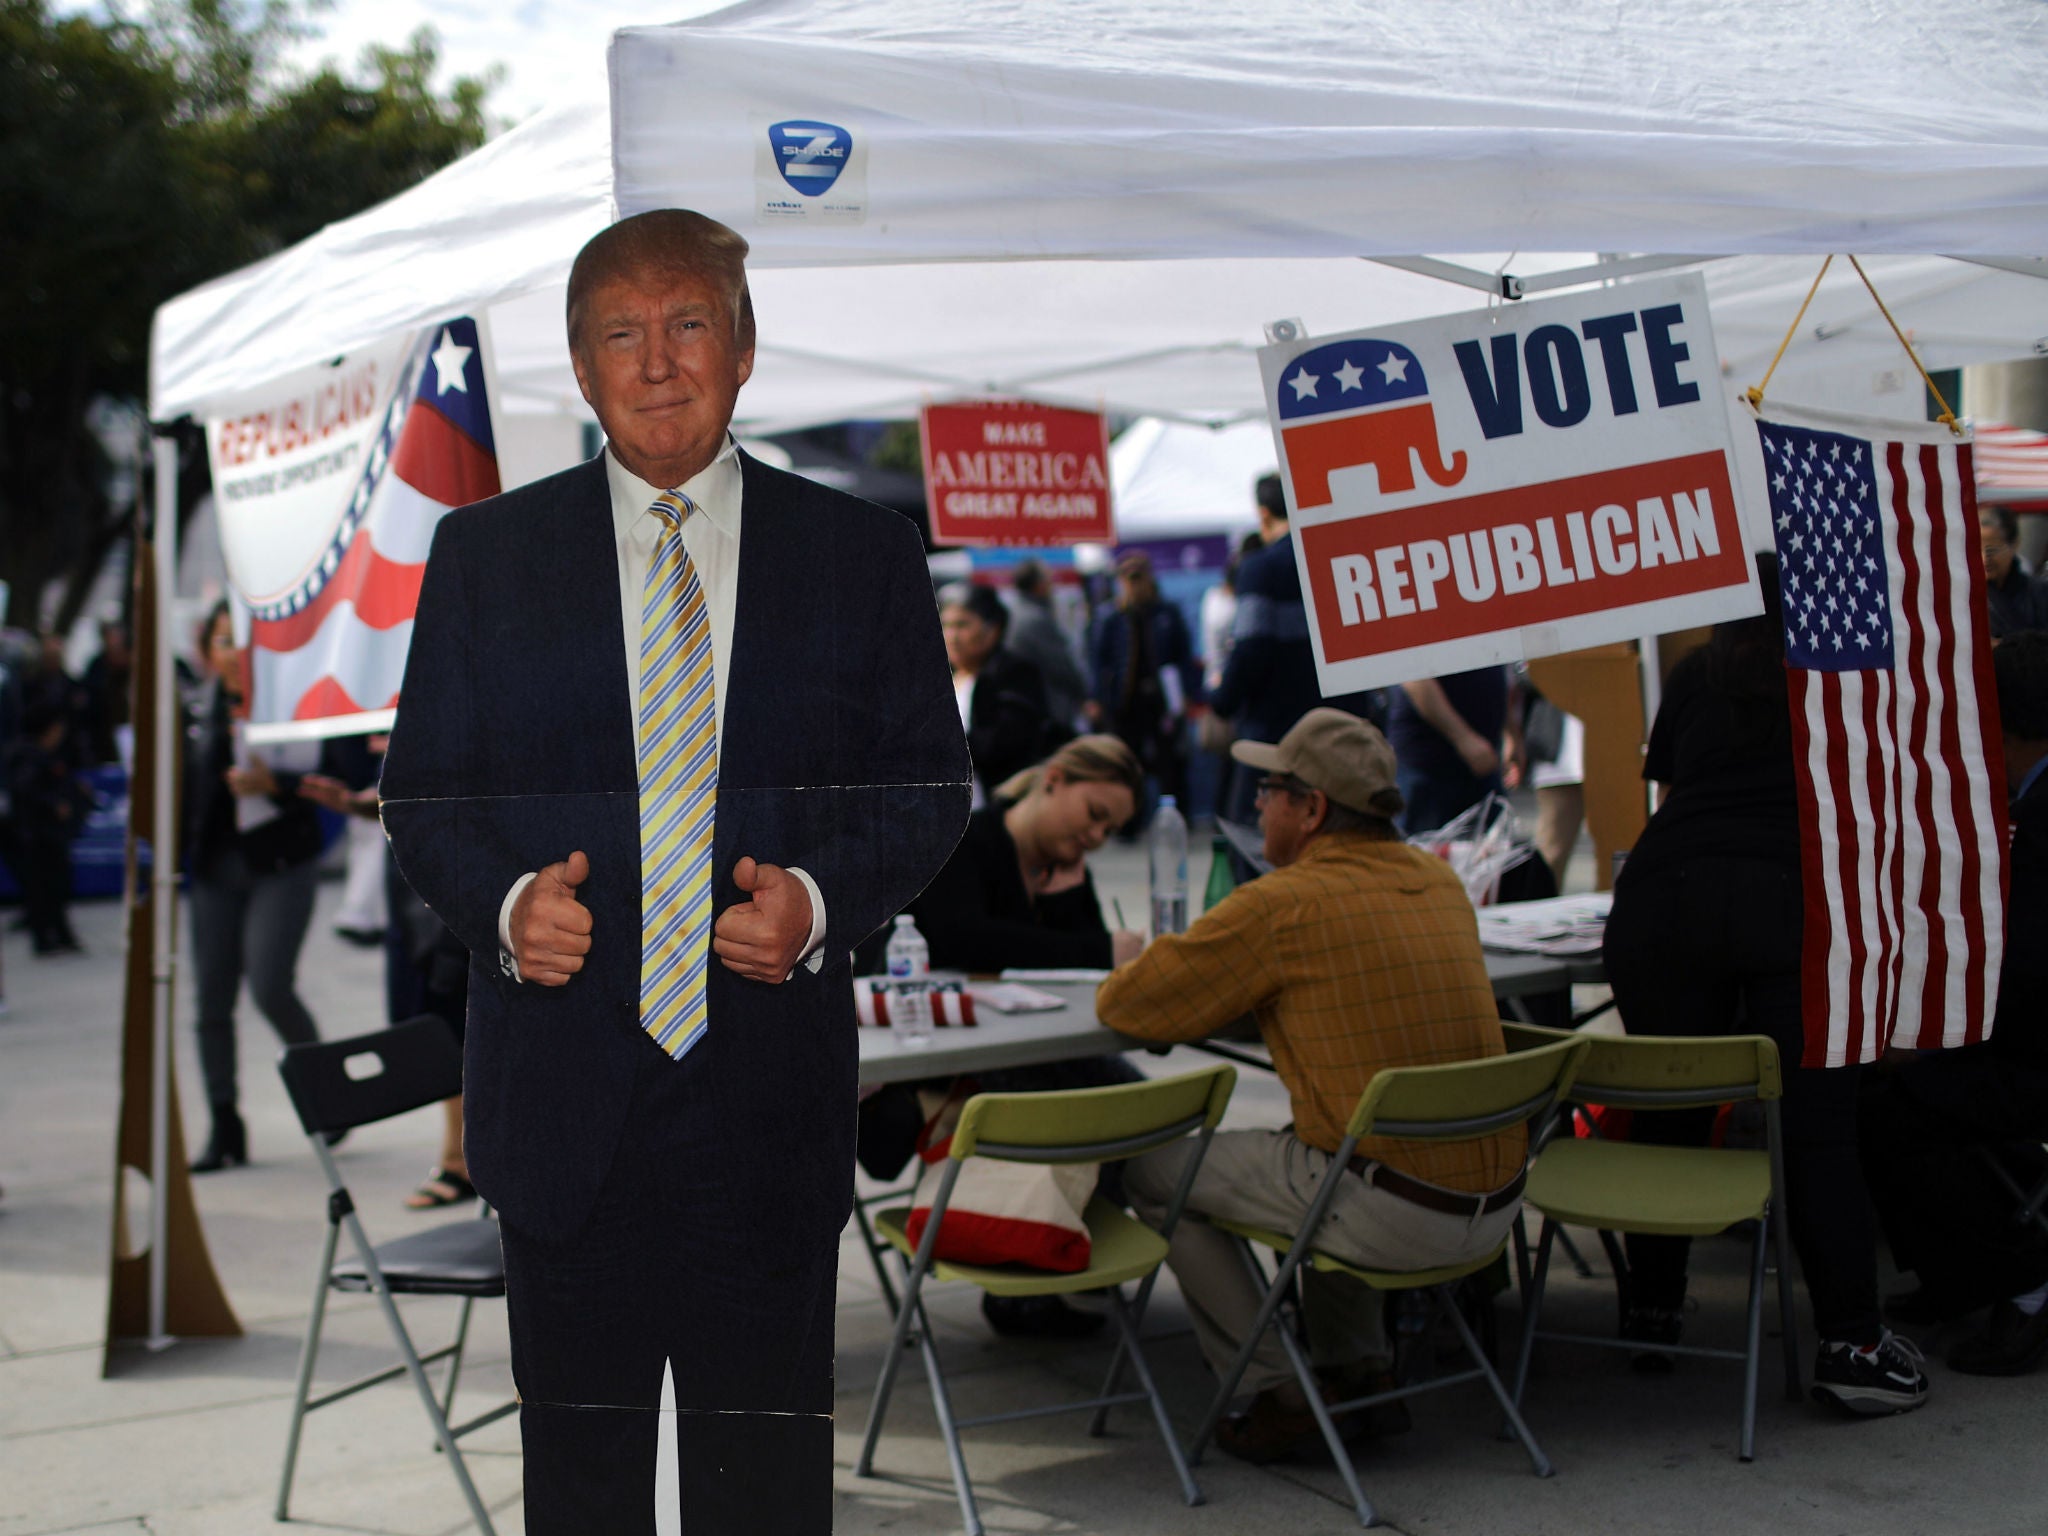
pixel 1175 691
pixel 1562 925
pixel 1013 997
pixel 252 811
pixel 1072 974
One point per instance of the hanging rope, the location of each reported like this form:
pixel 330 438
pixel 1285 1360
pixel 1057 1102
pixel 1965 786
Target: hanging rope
pixel 1755 394
pixel 1947 417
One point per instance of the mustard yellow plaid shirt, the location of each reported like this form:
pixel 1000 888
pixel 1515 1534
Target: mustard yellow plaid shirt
pixel 1361 954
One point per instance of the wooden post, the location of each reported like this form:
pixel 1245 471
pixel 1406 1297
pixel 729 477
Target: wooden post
pixel 187 1300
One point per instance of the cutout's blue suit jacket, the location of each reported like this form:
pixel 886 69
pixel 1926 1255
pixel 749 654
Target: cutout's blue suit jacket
pixel 841 753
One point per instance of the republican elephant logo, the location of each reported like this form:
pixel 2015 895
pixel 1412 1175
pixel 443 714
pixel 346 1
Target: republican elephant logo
pixel 1358 402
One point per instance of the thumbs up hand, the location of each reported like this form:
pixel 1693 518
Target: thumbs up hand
pixel 762 939
pixel 550 927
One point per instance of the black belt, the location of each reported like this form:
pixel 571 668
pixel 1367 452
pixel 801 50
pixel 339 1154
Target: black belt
pixel 1432 1197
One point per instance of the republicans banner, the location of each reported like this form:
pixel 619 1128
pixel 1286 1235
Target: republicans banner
pixel 1016 472
pixel 1509 482
pixel 329 484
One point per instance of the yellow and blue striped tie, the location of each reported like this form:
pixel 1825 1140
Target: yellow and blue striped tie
pixel 678 788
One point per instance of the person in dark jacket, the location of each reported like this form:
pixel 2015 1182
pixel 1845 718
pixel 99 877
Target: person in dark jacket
pixel 50 804
pixel 1144 673
pixel 2016 600
pixel 252 889
pixel 1035 635
pixel 1269 678
pixel 1448 734
pixel 1928 1121
pixel 108 682
pixel 49 686
pixel 1705 938
pixel 1001 695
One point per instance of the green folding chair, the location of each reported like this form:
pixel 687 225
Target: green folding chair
pixel 1621 1186
pixel 1457 1101
pixel 1081 1125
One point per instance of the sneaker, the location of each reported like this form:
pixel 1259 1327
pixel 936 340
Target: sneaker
pixel 1652 1325
pixel 2012 1343
pixel 1885 1377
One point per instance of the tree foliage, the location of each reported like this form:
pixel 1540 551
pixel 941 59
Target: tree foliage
pixel 139 158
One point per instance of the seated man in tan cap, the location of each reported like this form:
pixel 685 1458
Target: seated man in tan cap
pixel 1356 953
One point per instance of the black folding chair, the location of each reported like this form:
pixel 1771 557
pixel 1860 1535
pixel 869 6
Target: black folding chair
pixel 336 1086
pixel 2009 1164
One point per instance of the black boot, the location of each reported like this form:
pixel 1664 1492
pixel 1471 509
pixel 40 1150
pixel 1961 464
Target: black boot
pixel 228 1146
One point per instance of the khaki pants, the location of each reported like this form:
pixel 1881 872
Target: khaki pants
pixel 1269 1178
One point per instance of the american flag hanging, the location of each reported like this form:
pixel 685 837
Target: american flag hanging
pixel 1902 817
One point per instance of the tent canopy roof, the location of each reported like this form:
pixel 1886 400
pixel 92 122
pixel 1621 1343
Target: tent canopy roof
pixel 1025 165
pixel 1156 128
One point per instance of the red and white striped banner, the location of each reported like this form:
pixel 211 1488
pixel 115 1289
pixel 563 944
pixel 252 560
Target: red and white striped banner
pixel 2012 466
pixel 331 483
pixel 1902 808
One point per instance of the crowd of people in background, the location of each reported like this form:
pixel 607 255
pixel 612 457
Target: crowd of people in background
pixel 54 727
pixel 1126 662
pixel 1080 716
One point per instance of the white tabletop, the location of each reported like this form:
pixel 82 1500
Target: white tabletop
pixel 995 1040
pixel 1026 1039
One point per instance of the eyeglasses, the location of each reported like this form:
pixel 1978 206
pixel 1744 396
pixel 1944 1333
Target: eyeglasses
pixel 1281 784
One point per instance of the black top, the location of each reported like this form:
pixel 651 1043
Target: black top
pixel 2019 602
pixel 1269 678
pixel 1008 725
pixel 1481 699
pixel 1728 761
pixel 287 840
pixel 2019 1030
pixel 977 916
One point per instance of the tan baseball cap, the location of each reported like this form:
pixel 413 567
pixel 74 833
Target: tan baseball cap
pixel 1345 757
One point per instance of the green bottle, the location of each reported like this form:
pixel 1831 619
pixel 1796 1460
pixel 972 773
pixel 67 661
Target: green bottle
pixel 1221 881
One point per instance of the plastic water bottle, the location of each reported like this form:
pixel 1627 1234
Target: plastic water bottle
pixel 910 1002
pixel 1169 845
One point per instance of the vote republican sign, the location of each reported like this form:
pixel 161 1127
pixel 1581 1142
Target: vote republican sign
pixel 1510 482
pixel 1015 472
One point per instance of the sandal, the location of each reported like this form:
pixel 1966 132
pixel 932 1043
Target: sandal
pixel 440 1188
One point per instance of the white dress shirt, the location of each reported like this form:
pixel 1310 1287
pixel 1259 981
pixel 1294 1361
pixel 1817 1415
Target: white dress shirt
pixel 963 695
pixel 711 537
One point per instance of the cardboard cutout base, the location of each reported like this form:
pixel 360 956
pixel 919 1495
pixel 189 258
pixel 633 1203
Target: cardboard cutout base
pixel 1603 687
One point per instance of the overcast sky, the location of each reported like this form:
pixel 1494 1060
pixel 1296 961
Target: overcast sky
pixel 552 50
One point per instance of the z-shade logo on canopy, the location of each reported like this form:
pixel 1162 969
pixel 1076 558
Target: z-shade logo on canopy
pixel 809 155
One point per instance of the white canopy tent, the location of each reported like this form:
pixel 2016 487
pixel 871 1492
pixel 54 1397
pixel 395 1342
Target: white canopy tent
pixel 1114 129
pixel 1105 200
pixel 1028 169
pixel 1173 479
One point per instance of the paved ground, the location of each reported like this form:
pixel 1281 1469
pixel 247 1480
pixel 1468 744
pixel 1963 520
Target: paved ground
pixel 187 1443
